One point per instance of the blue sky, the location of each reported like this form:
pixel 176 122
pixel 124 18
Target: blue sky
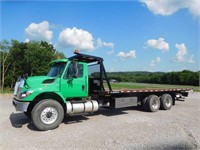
pixel 143 35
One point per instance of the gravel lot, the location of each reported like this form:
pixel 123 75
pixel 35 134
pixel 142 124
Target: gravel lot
pixel 128 128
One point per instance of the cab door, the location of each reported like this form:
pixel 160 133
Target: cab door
pixel 75 86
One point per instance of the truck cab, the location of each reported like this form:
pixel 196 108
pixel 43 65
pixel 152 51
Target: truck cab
pixel 68 83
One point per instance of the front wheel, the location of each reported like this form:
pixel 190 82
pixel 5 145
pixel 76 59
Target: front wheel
pixel 47 114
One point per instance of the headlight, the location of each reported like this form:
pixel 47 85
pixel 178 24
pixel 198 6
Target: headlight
pixel 26 93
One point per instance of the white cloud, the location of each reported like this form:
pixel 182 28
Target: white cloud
pixel 130 54
pixel 80 39
pixel 38 32
pixel 181 55
pixel 100 43
pixel 168 7
pixel 155 62
pixel 194 7
pixel 159 44
pixel 164 7
pixel 76 38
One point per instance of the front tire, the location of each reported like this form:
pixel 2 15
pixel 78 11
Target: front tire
pixel 47 114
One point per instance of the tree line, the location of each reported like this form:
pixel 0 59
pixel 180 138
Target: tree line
pixel 18 58
pixel 185 77
pixel 32 58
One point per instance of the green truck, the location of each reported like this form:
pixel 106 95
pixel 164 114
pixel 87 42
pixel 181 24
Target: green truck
pixel 80 85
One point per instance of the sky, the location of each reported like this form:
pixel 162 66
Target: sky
pixel 137 35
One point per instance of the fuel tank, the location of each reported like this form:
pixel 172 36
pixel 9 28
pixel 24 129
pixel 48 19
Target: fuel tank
pixel 81 107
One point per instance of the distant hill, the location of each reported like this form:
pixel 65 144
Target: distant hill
pixel 185 77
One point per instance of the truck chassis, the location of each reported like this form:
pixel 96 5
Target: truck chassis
pixel 48 109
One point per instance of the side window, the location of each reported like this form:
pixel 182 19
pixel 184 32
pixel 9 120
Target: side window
pixel 80 70
pixel 69 71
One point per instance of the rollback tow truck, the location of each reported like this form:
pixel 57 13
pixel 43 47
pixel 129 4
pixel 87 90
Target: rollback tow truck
pixel 80 85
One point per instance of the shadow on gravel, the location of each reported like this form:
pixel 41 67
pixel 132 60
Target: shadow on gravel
pixel 175 146
pixel 111 112
pixel 70 119
pixel 19 119
pixel 75 119
pixel 115 112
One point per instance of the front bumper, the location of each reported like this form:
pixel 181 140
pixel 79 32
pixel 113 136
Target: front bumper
pixel 19 105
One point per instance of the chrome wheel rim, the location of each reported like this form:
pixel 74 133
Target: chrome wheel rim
pixel 155 104
pixel 168 102
pixel 49 115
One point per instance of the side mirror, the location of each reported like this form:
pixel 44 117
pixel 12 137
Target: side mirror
pixel 75 69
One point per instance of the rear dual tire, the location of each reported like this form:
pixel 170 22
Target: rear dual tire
pixel 166 101
pixel 144 104
pixel 153 103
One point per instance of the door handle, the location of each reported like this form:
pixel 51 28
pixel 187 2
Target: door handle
pixel 83 87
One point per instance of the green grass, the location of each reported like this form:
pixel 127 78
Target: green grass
pixel 6 90
pixel 127 85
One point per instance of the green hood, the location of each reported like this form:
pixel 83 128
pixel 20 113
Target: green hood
pixel 38 80
pixel 41 84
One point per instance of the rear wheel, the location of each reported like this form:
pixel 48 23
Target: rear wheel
pixel 144 104
pixel 47 114
pixel 166 101
pixel 153 103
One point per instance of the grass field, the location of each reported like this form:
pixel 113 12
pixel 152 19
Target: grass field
pixel 127 85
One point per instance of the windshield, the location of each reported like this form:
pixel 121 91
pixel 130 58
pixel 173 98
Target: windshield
pixel 56 70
